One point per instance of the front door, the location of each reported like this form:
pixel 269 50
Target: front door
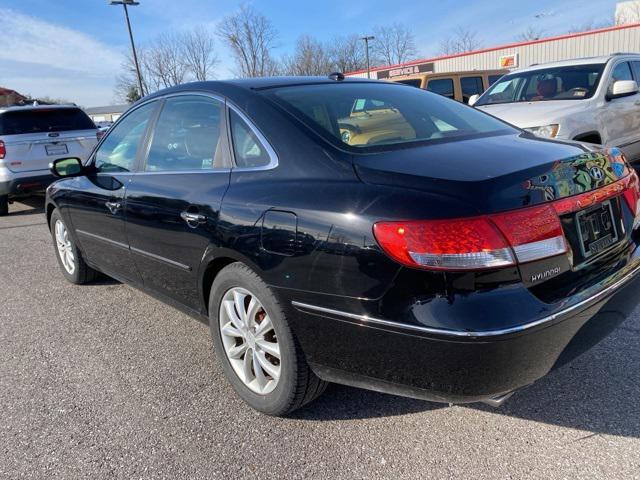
pixel 173 203
pixel 97 207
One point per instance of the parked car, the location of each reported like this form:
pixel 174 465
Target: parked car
pixel 460 86
pixel 456 265
pixel 589 99
pixel 31 137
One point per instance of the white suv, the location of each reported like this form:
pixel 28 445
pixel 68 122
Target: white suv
pixel 32 137
pixel 589 99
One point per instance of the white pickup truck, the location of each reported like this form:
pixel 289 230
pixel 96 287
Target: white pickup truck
pixel 33 136
pixel 589 99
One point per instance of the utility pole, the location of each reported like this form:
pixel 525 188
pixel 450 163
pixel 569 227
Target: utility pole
pixel 131 3
pixel 366 39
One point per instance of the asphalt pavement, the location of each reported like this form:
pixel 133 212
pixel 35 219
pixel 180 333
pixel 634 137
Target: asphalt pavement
pixel 102 381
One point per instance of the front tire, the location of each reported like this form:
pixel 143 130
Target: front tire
pixel 259 354
pixel 4 205
pixel 71 263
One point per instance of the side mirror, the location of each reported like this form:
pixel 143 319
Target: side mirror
pixel 622 88
pixel 473 99
pixel 67 167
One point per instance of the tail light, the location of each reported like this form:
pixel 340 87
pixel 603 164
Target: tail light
pixel 631 195
pixel 473 243
pixel 3 150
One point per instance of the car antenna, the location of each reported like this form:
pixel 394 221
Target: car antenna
pixel 336 76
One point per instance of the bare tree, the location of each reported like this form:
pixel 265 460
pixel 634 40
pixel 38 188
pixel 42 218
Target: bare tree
pixel 198 50
pixel 309 58
pixel 165 61
pixel 347 54
pixel 251 37
pixel 393 44
pixel 629 13
pixel 461 40
pixel 531 33
pixel 591 25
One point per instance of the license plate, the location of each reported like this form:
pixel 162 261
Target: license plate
pixel 596 229
pixel 56 149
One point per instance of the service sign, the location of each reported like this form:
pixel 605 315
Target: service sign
pixel 409 70
pixel 509 61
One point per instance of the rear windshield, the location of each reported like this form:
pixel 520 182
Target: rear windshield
pixel 382 115
pixel 16 122
pixel 575 82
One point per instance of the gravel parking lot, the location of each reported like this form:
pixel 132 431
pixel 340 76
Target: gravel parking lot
pixel 103 381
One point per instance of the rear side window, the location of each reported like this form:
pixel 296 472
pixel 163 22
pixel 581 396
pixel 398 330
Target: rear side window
pixel 636 71
pixel 17 122
pixel 248 150
pixel 470 86
pixel 188 136
pixel 441 86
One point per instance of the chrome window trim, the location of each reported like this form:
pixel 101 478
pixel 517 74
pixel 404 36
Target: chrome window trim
pixel 372 321
pixel 273 157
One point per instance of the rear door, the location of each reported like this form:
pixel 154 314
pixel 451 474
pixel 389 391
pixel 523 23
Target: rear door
pixel 173 204
pixel 36 136
pixel 96 203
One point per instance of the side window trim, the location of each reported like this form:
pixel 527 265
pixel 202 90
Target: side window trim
pixel 145 136
pixel 224 134
pixel 273 157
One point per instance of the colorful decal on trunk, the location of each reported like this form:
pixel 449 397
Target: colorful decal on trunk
pixel 579 174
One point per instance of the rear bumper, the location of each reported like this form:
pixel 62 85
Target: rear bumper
pixel 459 366
pixel 24 182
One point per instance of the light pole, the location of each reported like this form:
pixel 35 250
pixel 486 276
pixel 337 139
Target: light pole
pixel 366 39
pixel 131 3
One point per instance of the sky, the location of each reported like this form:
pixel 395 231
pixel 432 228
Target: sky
pixel 73 49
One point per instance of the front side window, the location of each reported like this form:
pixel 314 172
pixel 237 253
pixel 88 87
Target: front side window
pixel 118 151
pixel 345 115
pixel 621 72
pixel 441 86
pixel 470 86
pixel 575 82
pixel 248 150
pixel 188 136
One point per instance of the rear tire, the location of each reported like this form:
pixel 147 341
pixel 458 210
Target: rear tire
pixel 244 344
pixel 4 205
pixel 70 260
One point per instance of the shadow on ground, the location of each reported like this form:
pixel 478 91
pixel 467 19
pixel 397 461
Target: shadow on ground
pixel 33 205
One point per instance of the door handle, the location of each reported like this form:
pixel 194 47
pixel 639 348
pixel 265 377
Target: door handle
pixel 193 219
pixel 113 206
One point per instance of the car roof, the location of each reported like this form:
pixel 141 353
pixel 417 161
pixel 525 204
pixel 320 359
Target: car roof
pixel 579 61
pixel 22 108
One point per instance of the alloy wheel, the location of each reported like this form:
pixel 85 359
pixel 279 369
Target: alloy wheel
pixel 250 340
pixel 65 249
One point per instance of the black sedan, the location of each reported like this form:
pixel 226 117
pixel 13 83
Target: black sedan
pixel 359 232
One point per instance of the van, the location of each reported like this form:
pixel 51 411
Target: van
pixel 458 86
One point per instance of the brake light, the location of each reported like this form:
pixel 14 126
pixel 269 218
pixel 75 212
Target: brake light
pixel 3 150
pixel 488 241
pixel 631 194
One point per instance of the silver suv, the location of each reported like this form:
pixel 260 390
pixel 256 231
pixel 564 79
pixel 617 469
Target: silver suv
pixel 32 137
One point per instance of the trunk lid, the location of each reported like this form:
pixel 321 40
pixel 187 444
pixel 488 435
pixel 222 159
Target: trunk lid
pixel 497 173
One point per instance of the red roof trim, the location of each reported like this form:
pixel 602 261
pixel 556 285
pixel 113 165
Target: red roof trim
pixel 501 47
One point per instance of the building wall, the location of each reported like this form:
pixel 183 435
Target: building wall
pixel 587 44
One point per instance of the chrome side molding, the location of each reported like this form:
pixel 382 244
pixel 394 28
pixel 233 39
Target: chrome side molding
pixel 367 320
